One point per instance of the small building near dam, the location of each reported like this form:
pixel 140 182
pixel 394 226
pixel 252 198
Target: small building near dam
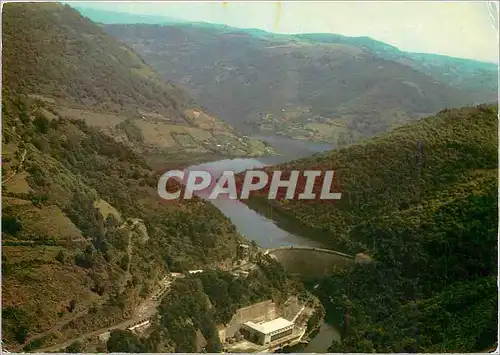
pixel 362 258
pixel 243 251
pixel 267 332
pixel 265 327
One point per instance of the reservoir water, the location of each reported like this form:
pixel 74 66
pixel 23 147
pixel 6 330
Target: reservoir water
pixel 256 226
pixel 266 232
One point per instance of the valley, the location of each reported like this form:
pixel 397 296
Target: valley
pixel 94 261
pixel 321 87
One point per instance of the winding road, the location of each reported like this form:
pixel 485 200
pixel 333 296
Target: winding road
pixel 143 312
pixel 19 167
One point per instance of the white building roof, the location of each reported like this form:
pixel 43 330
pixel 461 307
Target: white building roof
pixel 195 271
pixel 271 326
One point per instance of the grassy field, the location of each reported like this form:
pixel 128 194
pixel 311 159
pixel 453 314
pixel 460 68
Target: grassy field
pixel 150 133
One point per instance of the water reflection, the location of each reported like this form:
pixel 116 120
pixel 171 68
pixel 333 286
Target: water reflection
pixel 256 226
pixel 253 225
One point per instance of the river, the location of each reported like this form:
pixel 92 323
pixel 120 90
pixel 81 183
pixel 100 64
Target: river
pixel 266 232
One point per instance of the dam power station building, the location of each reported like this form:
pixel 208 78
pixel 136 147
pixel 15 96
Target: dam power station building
pixel 265 333
pixel 265 326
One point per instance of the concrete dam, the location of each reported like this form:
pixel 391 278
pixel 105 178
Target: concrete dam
pixel 309 262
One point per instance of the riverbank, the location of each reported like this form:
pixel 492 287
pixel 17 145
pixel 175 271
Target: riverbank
pixel 289 223
pixel 159 162
pixel 256 222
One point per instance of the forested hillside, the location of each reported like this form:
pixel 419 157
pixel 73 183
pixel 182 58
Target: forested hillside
pixel 200 303
pixel 422 201
pixel 319 87
pixel 59 52
pixel 85 238
pixel 71 198
pixel 79 71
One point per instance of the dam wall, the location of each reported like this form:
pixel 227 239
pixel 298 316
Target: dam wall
pixel 309 262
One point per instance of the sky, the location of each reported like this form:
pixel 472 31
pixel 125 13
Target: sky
pixel 463 29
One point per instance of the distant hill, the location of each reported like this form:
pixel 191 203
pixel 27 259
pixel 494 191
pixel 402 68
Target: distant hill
pixel 479 79
pixel 325 87
pixel 422 201
pixel 62 54
pixel 80 71
pixel 109 17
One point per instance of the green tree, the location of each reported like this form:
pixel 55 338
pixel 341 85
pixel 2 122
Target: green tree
pixel 61 256
pixel 75 347
pixel 72 305
pixel 11 225
pixel 41 123
pixel 124 341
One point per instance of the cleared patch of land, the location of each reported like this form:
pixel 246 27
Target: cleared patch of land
pixel 18 184
pixel 106 209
